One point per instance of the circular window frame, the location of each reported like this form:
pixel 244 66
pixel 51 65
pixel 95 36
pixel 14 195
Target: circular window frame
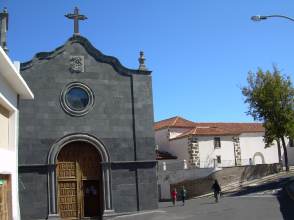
pixel 68 109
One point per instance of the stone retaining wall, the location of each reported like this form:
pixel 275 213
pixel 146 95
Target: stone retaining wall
pixel 175 173
pixel 225 176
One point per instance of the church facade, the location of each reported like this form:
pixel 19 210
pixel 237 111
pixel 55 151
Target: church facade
pixel 86 143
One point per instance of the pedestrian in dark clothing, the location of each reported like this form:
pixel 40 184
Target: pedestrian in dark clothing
pixel 183 195
pixel 174 196
pixel 216 190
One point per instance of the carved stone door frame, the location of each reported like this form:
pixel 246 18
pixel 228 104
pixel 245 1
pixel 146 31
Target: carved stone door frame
pixel 105 165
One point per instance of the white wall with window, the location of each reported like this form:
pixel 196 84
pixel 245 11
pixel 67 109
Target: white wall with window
pixel 220 150
pixel 12 87
pixel 217 144
pixel 209 152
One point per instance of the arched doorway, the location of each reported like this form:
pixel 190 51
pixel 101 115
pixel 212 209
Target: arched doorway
pixel 79 181
pixel 258 158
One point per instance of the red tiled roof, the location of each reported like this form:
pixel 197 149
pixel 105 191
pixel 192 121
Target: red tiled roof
pixel 175 122
pixel 234 127
pixel 206 129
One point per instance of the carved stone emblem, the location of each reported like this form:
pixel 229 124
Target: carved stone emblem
pixel 76 64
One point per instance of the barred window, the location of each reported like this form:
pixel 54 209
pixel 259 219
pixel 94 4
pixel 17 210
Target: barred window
pixel 217 142
pixel 218 159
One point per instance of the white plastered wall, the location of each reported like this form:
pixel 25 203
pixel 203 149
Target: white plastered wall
pixel 208 153
pixel 252 144
pixel 4 127
pixel 8 154
pixel 162 137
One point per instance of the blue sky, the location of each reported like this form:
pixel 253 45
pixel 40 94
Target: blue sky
pixel 200 51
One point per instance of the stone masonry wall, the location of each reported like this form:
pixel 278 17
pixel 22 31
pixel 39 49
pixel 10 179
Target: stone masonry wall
pixel 226 176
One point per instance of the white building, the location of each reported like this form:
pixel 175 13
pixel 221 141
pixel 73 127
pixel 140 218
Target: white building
pixel 12 88
pixel 214 144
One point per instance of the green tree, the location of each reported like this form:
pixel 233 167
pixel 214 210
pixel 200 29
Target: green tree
pixel 271 100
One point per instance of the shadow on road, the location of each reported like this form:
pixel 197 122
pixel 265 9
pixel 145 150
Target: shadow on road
pixel 286 205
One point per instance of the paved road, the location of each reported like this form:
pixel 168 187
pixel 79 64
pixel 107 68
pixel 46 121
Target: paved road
pixel 257 202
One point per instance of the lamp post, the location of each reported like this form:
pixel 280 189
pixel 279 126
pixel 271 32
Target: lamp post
pixel 264 17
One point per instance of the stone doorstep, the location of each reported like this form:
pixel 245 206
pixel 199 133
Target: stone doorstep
pixel 57 217
pixel 106 215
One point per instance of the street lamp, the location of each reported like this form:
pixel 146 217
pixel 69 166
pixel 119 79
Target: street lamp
pixel 262 17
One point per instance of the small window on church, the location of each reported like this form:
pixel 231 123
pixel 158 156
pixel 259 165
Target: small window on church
pixel 77 99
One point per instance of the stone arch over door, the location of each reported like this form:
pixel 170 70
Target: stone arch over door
pixel 105 165
pixel 258 156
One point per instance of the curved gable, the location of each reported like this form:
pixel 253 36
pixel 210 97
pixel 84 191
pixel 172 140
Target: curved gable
pixel 91 50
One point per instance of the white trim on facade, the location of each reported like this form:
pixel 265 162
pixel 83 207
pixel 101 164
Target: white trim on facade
pixel 12 87
pixel 13 77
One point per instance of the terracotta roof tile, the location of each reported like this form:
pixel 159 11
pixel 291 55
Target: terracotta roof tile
pixel 206 129
pixel 175 122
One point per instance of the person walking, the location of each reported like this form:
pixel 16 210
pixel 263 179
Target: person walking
pixel 183 195
pixel 174 196
pixel 216 190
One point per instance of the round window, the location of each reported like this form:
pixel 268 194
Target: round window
pixel 77 99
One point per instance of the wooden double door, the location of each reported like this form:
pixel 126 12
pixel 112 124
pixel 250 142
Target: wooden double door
pixel 79 182
pixel 5 197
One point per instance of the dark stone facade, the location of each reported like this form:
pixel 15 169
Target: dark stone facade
pixel 121 119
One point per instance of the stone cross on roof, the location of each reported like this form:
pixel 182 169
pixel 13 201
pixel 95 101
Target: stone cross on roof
pixel 76 17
